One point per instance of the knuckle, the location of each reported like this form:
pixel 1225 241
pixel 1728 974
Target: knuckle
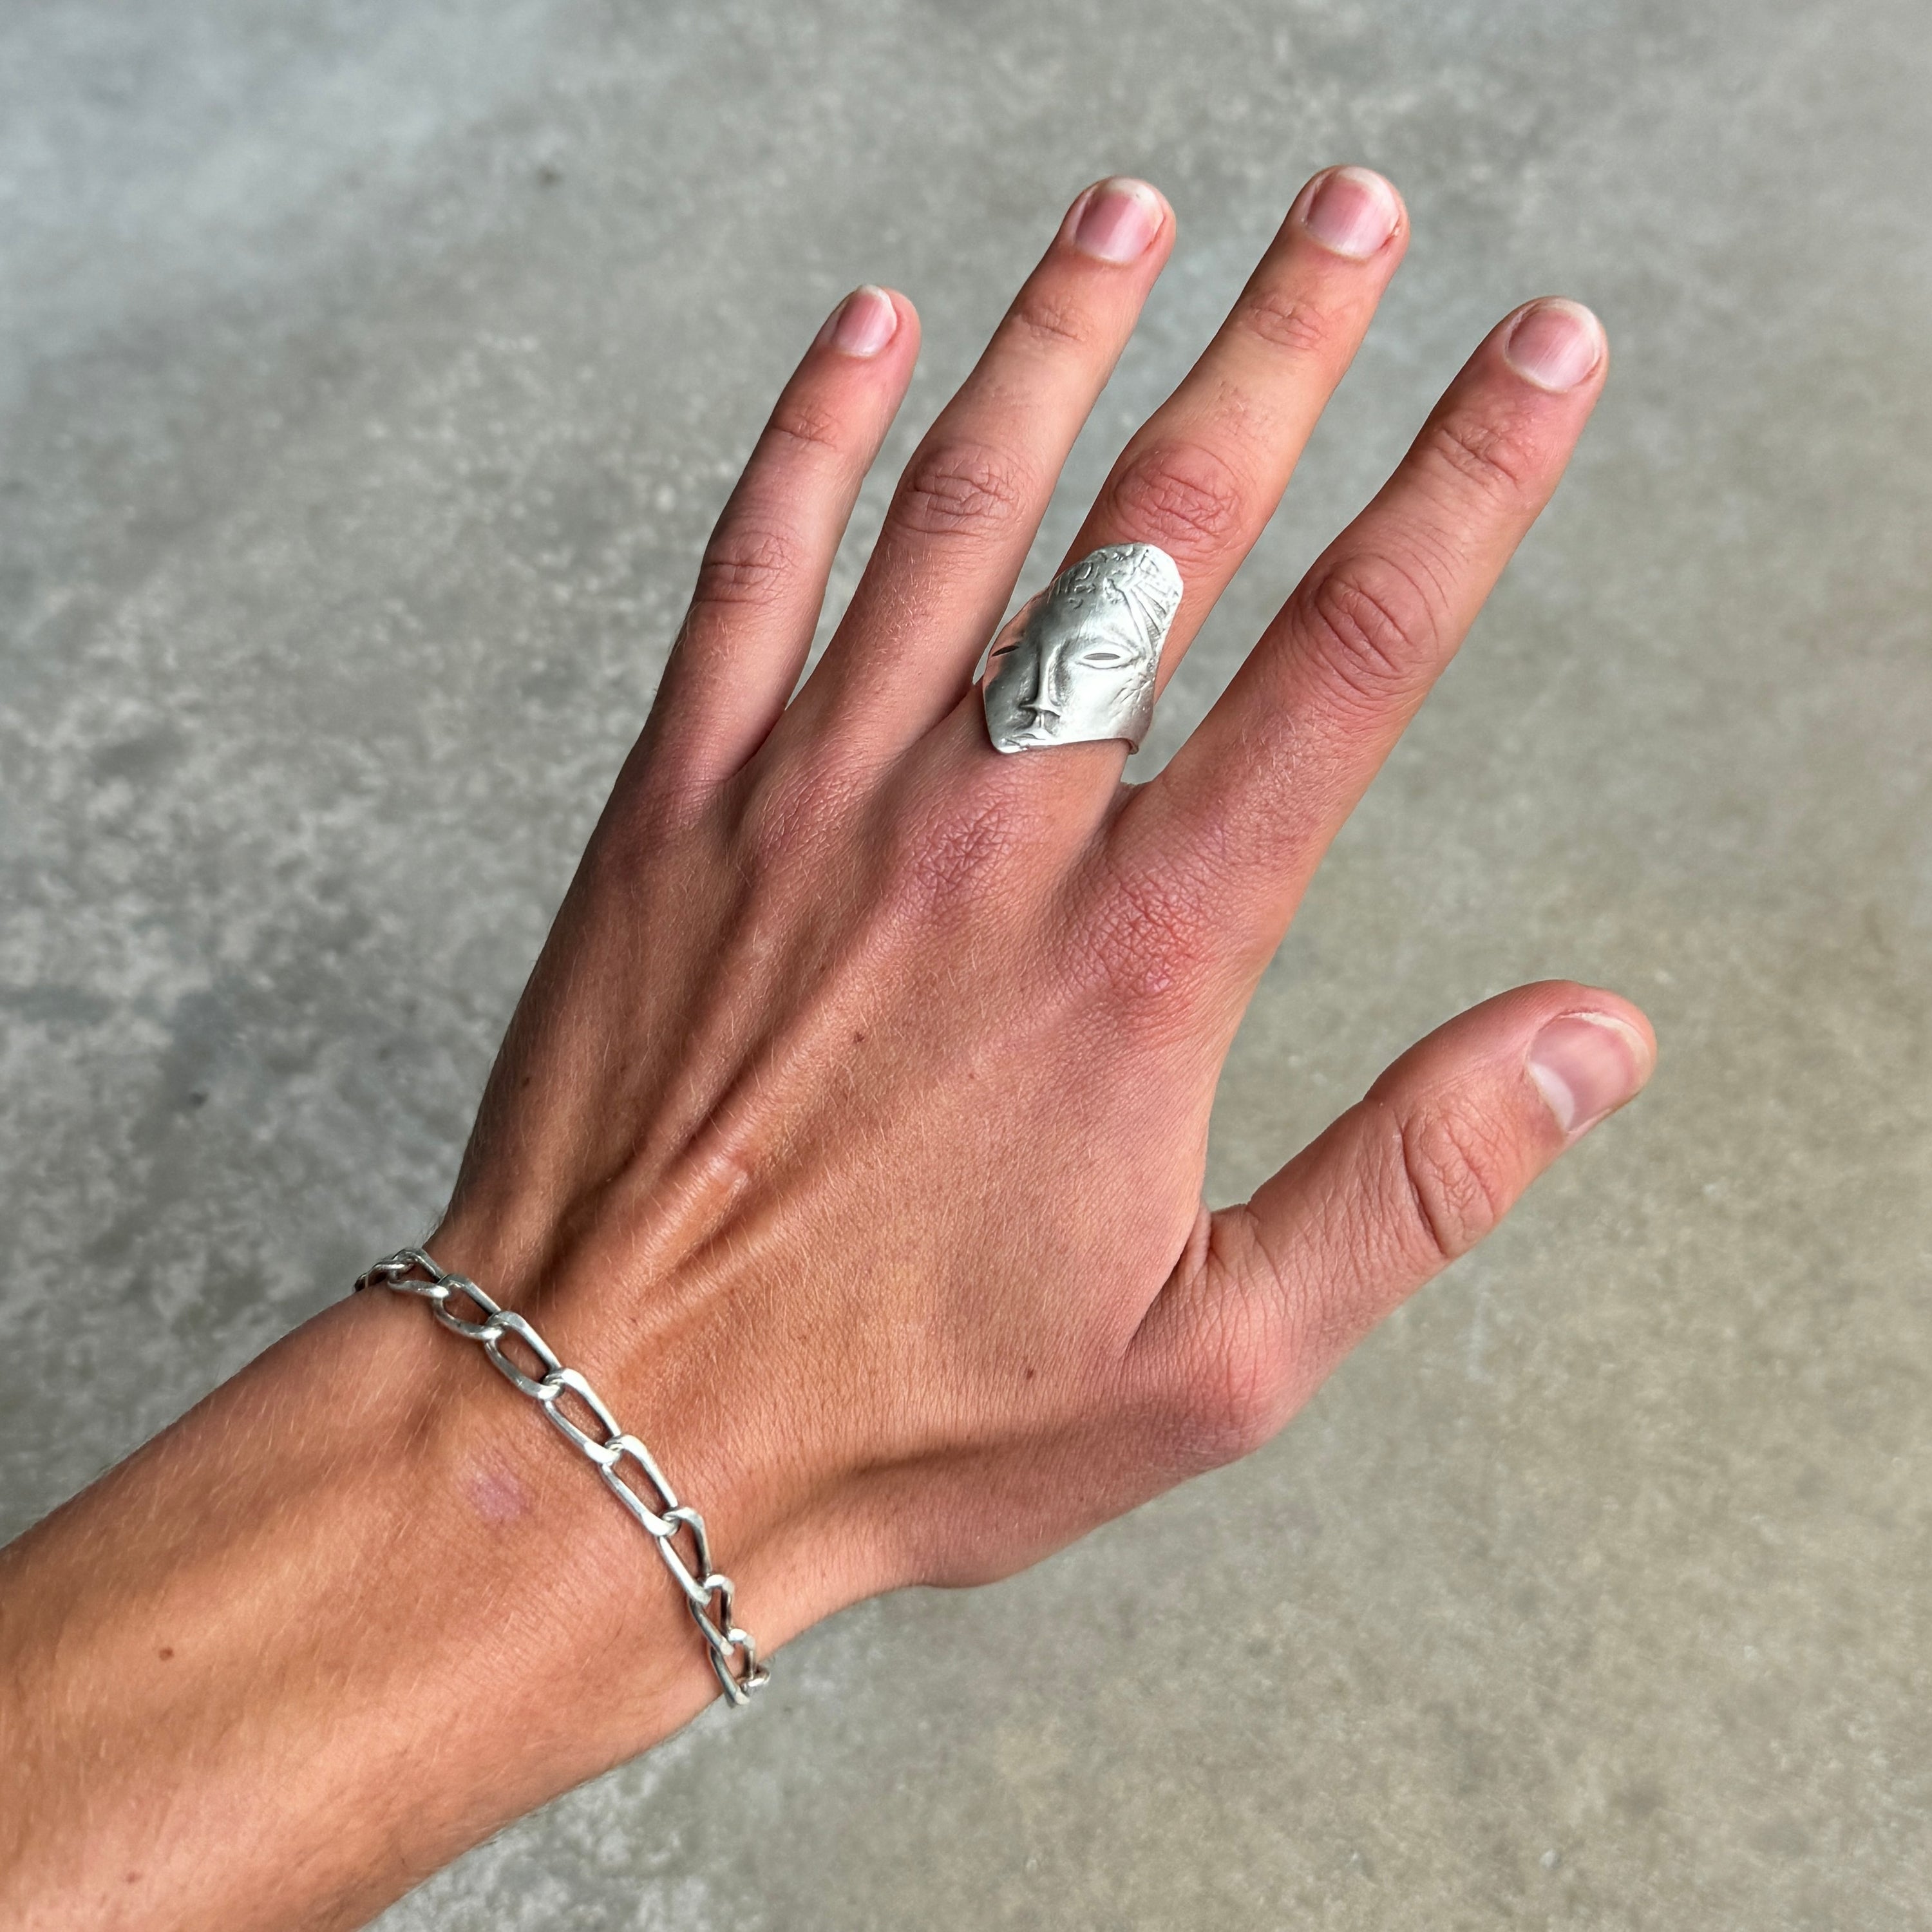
pixel 1234 1388
pixel 1183 497
pixel 1486 453
pixel 962 489
pixel 1150 941
pixel 794 810
pixel 947 857
pixel 809 428
pixel 1286 322
pixel 1374 627
pixel 747 564
pixel 654 810
pixel 1454 1170
pixel 1048 323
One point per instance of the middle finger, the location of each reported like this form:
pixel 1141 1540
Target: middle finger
pixel 1207 470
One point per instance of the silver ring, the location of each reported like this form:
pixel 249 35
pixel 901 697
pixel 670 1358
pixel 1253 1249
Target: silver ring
pixel 1077 663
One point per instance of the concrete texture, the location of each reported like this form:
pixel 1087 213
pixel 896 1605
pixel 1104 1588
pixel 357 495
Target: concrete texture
pixel 371 373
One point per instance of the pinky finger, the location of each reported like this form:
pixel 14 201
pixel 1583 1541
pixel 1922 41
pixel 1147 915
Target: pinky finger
pixel 762 581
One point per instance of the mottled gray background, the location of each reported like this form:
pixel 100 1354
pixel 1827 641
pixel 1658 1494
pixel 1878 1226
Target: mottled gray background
pixel 371 373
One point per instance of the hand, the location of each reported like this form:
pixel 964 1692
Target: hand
pixel 849 1135
pixel 852 1129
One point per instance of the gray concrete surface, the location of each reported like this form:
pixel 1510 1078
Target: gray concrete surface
pixel 371 372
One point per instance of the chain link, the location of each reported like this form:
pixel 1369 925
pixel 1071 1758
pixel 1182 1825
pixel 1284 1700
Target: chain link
pixel 657 1511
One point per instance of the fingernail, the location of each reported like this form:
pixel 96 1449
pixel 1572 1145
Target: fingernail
pixel 1586 1065
pixel 1117 221
pixel 1352 211
pixel 863 324
pixel 1556 344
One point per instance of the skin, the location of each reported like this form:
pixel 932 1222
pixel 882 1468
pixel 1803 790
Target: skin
pixel 849 1135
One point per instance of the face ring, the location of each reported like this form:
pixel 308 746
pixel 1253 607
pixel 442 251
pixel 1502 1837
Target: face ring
pixel 1076 664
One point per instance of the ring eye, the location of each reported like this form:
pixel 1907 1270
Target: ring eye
pixel 1103 657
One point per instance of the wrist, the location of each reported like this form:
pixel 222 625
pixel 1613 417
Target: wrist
pixel 351 1599
pixel 602 1635
pixel 676 1370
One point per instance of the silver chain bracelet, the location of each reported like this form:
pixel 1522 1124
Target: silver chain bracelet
pixel 410 1271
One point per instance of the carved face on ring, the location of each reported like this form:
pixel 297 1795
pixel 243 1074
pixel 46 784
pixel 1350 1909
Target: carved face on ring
pixel 1077 664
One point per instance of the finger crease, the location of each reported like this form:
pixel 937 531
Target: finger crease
pixel 1286 321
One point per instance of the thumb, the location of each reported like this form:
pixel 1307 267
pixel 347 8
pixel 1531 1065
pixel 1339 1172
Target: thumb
pixel 1413 1175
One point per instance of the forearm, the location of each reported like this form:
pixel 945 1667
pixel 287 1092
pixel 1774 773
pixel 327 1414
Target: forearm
pixel 348 1616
